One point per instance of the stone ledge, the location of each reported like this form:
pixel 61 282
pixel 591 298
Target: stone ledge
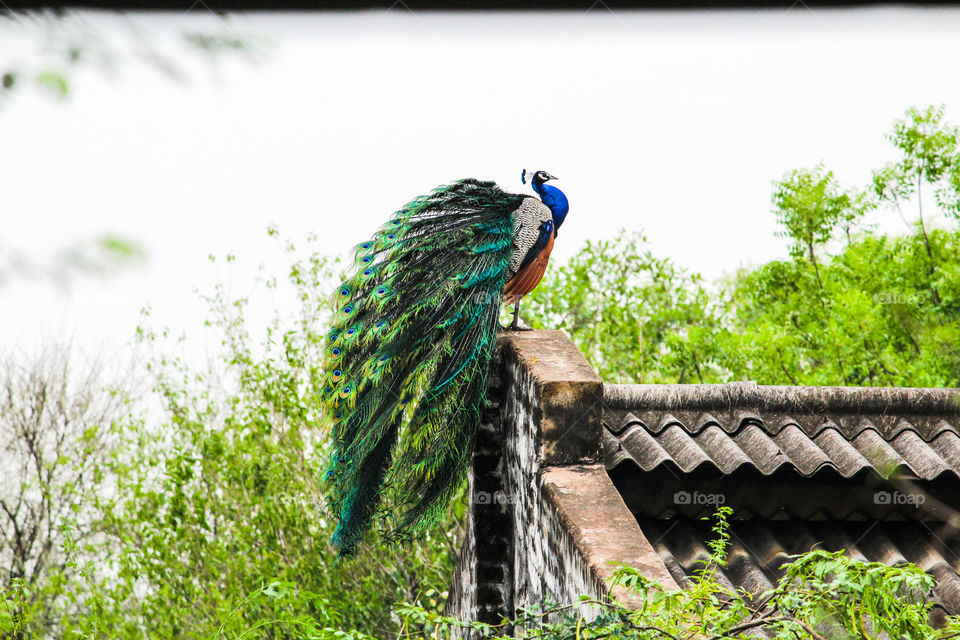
pixel 569 395
pixel 602 527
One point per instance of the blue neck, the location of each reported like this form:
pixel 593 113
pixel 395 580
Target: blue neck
pixel 553 198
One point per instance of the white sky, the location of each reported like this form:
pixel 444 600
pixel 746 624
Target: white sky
pixel 674 123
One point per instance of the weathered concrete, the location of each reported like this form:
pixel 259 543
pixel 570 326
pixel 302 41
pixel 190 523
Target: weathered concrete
pixel 538 481
pixel 602 527
pixel 851 410
pixel 567 391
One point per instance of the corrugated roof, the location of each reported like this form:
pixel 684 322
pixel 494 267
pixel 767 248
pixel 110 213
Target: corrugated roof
pixel 741 426
pixel 800 466
pixel 665 493
pixel 759 549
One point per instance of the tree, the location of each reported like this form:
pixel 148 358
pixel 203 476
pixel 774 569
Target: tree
pixel 644 320
pixel 870 311
pixel 226 498
pixel 882 310
pixel 929 156
pixel 809 206
pixel 57 433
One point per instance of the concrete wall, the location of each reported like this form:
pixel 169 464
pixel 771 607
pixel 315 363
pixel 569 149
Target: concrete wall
pixel 545 521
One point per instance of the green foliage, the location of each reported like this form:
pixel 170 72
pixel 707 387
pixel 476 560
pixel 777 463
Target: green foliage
pixel 875 311
pixel 58 426
pixel 809 205
pixel 98 256
pixel 646 320
pixel 54 82
pixel 929 155
pixel 821 595
pixel 67 42
pixel 212 522
pixel 227 498
pixel 201 513
pixel 883 311
pixel 871 319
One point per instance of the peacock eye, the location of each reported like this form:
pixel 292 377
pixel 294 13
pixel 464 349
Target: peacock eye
pixel 350 332
pixel 336 351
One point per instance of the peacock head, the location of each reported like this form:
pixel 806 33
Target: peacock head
pixel 549 194
pixel 538 179
pixel 541 177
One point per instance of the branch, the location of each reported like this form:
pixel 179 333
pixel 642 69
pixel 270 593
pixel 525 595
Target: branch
pixel 759 622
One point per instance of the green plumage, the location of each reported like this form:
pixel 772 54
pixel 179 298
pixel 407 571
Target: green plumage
pixel 408 357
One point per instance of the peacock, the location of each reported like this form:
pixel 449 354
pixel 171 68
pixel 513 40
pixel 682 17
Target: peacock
pixel 408 354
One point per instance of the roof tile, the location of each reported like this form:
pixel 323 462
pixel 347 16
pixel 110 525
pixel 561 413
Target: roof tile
pixel 670 429
pixel 759 549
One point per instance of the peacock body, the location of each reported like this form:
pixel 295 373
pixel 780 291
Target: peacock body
pixel 408 353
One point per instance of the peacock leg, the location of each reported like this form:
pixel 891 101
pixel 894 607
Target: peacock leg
pixel 515 325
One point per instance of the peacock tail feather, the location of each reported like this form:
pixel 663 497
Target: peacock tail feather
pixel 408 357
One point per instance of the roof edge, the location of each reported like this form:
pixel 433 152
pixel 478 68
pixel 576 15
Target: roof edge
pixel 784 399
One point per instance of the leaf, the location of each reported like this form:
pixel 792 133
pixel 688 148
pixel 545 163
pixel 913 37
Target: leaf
pixel 55 82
